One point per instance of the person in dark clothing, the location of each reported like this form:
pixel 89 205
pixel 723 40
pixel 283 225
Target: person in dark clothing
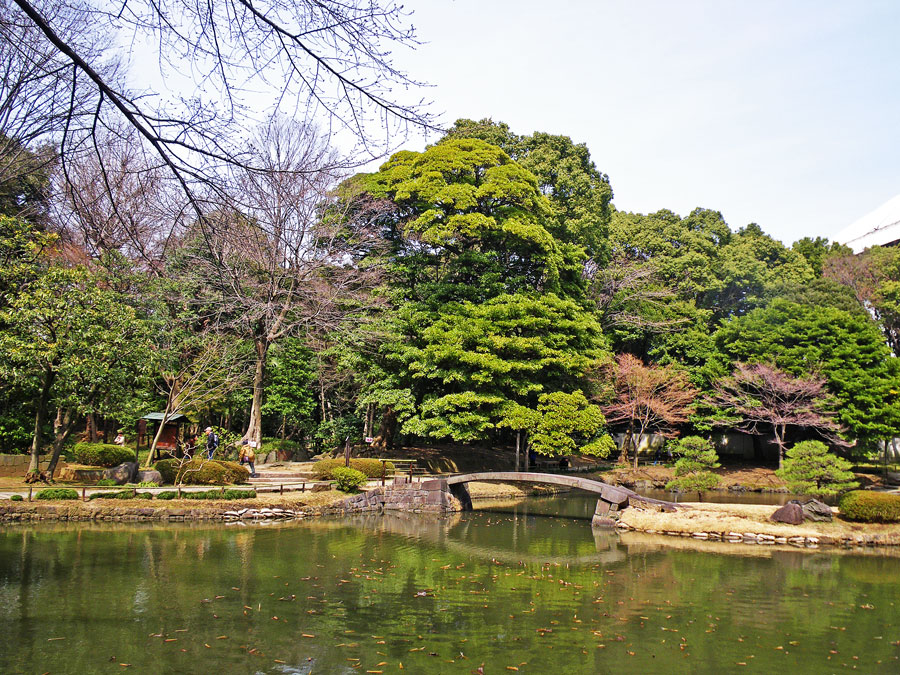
pixel 212 442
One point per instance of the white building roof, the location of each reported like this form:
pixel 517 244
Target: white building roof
pixel 880 227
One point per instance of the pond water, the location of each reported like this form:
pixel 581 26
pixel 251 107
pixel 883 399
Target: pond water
pixel 435 595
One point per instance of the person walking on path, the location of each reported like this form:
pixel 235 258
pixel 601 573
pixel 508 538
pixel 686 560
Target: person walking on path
pixel 212 442
pixel 248 454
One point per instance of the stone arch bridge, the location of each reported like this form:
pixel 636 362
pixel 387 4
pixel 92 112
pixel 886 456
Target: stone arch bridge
pixel 611 498
pixel 450 494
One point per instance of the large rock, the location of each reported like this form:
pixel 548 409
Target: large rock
pixel 790 513
pixel 813 509
pixel 150 476
pixel 121 474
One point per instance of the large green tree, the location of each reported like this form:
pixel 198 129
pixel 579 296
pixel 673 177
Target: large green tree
pixel 874 278
pixel 485 294
pixel 76 339
pixel 580 195
pixel 845 348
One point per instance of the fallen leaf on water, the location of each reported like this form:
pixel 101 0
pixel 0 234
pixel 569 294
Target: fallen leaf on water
pixel 52 639
pixel 307 635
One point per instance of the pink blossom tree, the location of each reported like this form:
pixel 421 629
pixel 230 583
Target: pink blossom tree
pixel 762 395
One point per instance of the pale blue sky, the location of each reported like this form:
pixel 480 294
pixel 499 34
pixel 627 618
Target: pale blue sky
pixel 782 113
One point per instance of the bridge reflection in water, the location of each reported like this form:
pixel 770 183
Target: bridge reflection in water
pixel 517 538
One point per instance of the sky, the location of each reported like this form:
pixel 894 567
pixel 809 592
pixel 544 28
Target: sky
pixel 786 114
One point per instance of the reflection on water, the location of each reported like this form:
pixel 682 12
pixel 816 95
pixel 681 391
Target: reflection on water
pixel 437 595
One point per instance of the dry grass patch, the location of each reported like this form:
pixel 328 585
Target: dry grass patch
pixel 745 518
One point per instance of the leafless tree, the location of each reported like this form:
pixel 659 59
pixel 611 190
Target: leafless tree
pixel 115 199
pixel 629 293
pixel 36 101
pixel 648 398
pixel 761 395
pixel 279 256
pixel 195 370
pixel 327 60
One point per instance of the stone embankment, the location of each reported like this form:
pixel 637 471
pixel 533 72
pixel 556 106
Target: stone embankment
pixel 428 496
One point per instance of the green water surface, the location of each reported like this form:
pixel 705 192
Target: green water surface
pixel 418 594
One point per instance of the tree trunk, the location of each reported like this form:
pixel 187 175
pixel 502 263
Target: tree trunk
pixel 40 417
pixel 254 429
pixel 62 429
pixel 779 441
pixel 518 445
pixel 637 447
pixel 626 442
pixel 92 428
pixel 162 424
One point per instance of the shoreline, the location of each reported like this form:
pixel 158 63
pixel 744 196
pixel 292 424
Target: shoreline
pixel 713 522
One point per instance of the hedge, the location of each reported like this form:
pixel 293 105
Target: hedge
pixel 218 494
pixel 202 472
pixel 870 507
pixel 369 467
pixel 57 493
pixel 121 494
pixel 208 494
pixel 102 454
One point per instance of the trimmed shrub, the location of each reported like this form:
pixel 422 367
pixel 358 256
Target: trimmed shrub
pixel 16 498
pixel 201 472
pixel 219 494
pixel 371 468
pixel 809 468
pixel 167 469
pixel 870 507
pixel 102 454
pixel 692 470
pixel 348 480
pixel 57 493
pixel 105 482
pixel 166 495
pixel 147 483
pixel 120 494
pixel 208 494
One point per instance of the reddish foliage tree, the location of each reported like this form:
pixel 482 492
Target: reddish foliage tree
pixel 760 394
pixel 649 398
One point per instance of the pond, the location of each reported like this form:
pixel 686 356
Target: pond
pixel 434 595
